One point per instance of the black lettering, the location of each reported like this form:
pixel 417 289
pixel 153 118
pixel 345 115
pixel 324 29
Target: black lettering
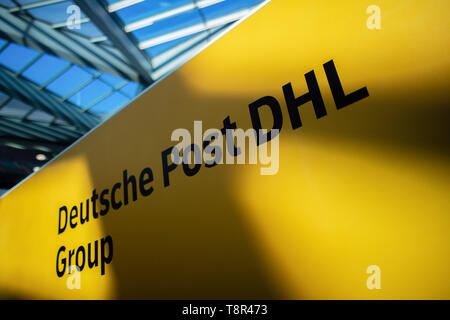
pixel 61 230
pixel 340 98
pixel 274 106
pixel 127 180
pixel 73 216
pixel 212 150
pixel 187 170
pixel 59 272
pixel 106 259
pixel 83 220
pixel 115 205
pixel 145 177
pixel 313 95
pixel 94 262
pixel 228 125
pixel 94 204
pixel 77 262
pixel 105 202
pixel 71 254
pixel 166 166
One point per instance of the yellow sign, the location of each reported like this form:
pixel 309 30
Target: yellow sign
pixel 358 208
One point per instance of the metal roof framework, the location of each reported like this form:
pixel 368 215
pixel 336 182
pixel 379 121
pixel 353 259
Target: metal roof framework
pixel 57 80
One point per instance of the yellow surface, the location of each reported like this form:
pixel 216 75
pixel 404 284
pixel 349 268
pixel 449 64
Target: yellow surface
pixel 365 185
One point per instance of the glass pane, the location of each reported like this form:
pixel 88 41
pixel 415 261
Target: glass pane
pixel 191 43
pixel 227 7
pixel 44 69
pixel 69 81
pixel 147 9
pixel 15 109
pixel 88 29
pixel 88 94
pixel 40 116
pixel 110 79
pixel 54 13
pixel 90 70
pixel 15 57
pixel 130 89
pixel 110 104
pixel 26 1
pixel 158 49
pixel 172 28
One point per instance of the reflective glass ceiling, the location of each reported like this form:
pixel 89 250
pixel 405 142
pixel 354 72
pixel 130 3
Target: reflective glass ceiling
pixel 66 66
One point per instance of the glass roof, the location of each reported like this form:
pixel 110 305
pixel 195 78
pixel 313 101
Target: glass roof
pixel 83 87
pixel 60 74
pixel 163 30
pixel 153 25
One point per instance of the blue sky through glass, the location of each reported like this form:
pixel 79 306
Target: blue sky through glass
pixel 174 24
pixel 58 85
pixel 83 86
pixel 15 57
pixel 51 64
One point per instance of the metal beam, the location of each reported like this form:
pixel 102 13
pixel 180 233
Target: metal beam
pixel 207 25
pixel 41 99
pixel 185 51
pixel 34 5
pixel 29 130
pixel 122 4
pixel 169 13
pixel 67 23
pixel 68 45
pixel 103 20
